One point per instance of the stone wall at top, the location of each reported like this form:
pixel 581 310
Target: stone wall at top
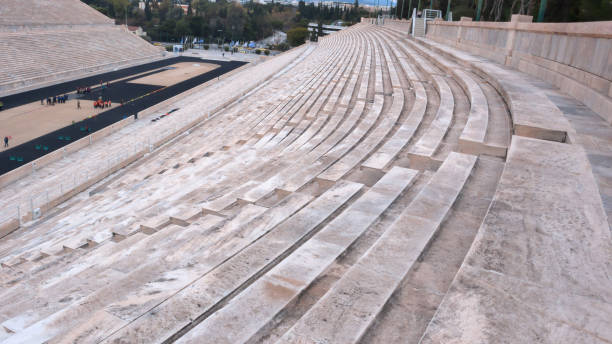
pixel 24 15
pixel 572 56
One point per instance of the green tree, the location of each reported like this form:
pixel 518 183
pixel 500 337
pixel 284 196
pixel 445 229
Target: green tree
pixel 297 36
pixel 182 28
pixel 147 10
pixel 119 7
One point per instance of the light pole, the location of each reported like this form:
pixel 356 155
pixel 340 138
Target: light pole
pixel 478 10
pixel 542 11
pixel 448 9
pixel 388 9
pixel 377 11
pixel 409 9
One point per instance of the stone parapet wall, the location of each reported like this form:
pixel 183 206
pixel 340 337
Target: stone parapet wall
pixel 25 85
pixel 33 28
pixel 24 170
pixel 49 12
pixel 572 56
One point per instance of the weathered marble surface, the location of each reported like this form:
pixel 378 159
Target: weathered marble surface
pixel 539 270
pixel 348 309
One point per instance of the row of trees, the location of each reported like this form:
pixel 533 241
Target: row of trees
pixel 221 20
pixel 228 20
pixel 327 14
pixel 502 10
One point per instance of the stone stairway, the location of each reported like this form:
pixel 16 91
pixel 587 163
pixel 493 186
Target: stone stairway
pixel 419 27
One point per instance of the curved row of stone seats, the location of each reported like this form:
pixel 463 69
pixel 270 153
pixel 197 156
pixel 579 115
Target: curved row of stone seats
pixel 391 148
pixel 255 308
pixel 172 124
pixel 376 135
pixel 133 274
pixel 259 121
pixel 241 225
pixel 361 72
pixel 348 309
pixel 221 207
pixel 84 233
pixel 20 14
pixel 136 248
pixel 33 239
pixel 553 52
pixel 351 139
pixel 478 136
pixel 429 143
pixel 311 103
pixel 258 160
pixel 463 305
pixel 237 270
pixel 425 152
pixel 138 135
pixel 245 122
pixel 196 150
pixel 35 56
pixel 260 186
pixel 533 114
pixel 229 154
pixel 473 139
pixel 539 268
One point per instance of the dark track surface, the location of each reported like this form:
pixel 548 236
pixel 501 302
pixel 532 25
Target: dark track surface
pixel 121 90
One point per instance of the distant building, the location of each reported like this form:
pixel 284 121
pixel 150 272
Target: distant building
pixel 137 30
pixel 327 29
pixel 340 4
pixel 276 38
pixel 141 5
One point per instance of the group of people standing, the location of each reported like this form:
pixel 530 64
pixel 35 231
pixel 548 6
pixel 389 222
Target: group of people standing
pixel 55 99
pixel 83 90
pixel 102 103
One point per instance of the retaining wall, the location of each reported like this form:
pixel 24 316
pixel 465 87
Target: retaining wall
pixel 574 57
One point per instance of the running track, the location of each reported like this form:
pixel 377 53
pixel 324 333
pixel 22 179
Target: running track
pixel 121 90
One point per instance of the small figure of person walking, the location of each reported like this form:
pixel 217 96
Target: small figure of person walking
pixel 78 104
pixel 6 141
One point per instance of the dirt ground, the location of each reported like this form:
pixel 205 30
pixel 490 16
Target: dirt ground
pixel 29 121
pixel 179 72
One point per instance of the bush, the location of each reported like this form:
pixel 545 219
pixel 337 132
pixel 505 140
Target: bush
pixel 169 48
pixel 226 48
pixel 282 46
pixel 206 46
pixel 297 36
pixel 267 52
pixel 257 51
